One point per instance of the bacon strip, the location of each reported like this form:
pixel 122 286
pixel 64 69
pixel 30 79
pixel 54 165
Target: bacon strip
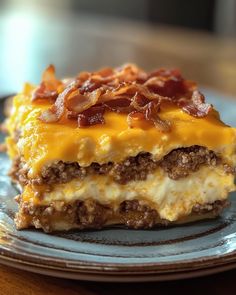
pixel 134 118
pixel 195 107
pixel 127 89
pixel 42 92
pixel 48 87
pixel 48 116
pixel 139 102
pixel 119 105
pixel 78 102
pixel 57 110
pixel 151 114
pixel 92 116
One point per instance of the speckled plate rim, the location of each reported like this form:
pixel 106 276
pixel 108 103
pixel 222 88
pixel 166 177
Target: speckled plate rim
pixel 111 268
pixel 124 278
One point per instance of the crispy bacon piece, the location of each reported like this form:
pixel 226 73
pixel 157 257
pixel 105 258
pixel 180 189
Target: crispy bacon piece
pixel 168 83
pixel 56 111
pixel 49 77
pixel 151 114
pixel 119 105
pixel 77 102
pixel 43 93
pixel 48 87
pixel 92 116
pixel 48 116
pixel 139 102
pixel 130 73
pixel 148 112
pixel 127 89
pixel 134 118
pixel 195 106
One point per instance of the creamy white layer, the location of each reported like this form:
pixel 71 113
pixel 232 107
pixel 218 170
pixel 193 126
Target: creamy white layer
pixel 171 198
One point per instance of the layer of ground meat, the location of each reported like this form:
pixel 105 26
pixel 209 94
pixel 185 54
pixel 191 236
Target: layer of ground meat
pixel 90 214
pixel 177 164
pixel 181 162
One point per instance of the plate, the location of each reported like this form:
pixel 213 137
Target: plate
pixel 119 254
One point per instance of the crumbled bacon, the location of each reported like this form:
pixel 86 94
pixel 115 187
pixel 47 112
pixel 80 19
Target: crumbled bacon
pixel 119 105
pixel 151 114
pixel 134 118
pixel 48 116
pixel 42 92
pixel 139 102
pixel 195 106
pixel 57 110
pixel 92 116
pixel 77 102
pixel 167 83
pixel 48 87
pixel 89 85
pixel 127 89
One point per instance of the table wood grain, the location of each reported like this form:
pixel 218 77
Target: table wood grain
pixel 87 43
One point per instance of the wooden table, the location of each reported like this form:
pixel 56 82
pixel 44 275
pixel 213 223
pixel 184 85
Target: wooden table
pixel 78 43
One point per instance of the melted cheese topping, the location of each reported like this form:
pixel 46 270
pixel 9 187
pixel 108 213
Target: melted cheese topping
pixel 172 199
pixel 42 143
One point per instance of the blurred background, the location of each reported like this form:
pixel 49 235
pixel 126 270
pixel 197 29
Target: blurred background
pixel 199 37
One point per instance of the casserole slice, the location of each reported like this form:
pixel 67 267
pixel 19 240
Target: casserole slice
pixel 118 146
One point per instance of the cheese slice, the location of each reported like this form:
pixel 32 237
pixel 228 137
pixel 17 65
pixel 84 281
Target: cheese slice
pixel 43 143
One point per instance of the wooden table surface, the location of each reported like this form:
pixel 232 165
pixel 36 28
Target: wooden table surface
pixel 78 43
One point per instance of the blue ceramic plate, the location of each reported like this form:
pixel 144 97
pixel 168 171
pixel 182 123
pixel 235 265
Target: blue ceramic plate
pixel 119 254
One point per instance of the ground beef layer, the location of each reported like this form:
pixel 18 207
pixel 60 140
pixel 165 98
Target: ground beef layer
pixel 177 164
pixel 90 214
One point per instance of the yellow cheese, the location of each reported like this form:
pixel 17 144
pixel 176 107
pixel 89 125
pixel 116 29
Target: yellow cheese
pixel 42 143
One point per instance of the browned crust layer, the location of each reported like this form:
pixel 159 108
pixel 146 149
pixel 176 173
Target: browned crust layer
pixel 91 214
pixel 177 164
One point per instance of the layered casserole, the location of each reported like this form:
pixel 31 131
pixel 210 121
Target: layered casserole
pixel 118 147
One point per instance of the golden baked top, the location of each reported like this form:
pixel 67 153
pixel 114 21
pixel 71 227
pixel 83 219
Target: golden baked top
pixel 109 115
